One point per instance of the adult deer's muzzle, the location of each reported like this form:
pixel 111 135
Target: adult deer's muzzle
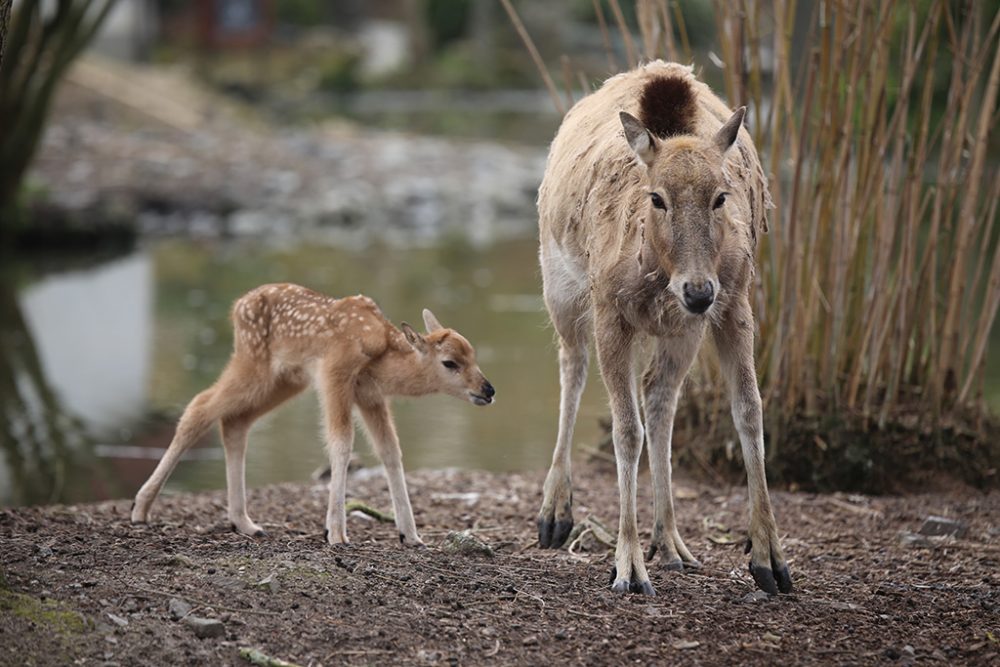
pixel 699 297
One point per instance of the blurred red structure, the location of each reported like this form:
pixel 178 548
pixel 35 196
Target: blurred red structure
pixel 225 24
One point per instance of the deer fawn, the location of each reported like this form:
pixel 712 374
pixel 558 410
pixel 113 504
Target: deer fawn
pixel 652 234
pixel 286 337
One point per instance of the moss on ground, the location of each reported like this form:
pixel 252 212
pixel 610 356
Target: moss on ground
pixel 47 614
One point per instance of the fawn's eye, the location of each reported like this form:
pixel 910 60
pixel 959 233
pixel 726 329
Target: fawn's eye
pixel 450 365
pixel 657 201
pixel 720 200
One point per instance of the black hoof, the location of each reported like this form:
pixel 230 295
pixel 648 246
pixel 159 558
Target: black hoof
pixel 260 533
pixel 675 565
pixel 783 578
pixel 764 578
pixel 633 586
pixel 553 534
pixel 642 587
pixel 326 535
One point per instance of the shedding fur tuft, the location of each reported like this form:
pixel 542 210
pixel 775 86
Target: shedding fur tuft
pixel 668 107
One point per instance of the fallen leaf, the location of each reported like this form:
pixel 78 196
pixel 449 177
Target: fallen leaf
pixel 769 637
pixel 686 644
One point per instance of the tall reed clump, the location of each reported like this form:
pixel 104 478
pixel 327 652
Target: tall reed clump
pixel 880 279
pixel 41 42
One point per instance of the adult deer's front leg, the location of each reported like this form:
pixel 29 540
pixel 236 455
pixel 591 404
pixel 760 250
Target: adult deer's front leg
pixel 614 352
pixel 660 391
pixel 734 340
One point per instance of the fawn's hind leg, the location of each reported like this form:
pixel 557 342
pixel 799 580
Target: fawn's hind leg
pixel 197 419
pixel 234 439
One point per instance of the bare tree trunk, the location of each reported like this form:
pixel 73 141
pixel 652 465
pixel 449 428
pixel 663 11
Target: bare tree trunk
pixel 5 6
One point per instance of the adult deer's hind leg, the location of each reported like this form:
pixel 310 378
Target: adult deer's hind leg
pixel 235 427
pixel 734 340
pixel 570 314
pixel 661 389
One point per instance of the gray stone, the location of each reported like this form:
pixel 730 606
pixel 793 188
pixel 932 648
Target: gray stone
pixel 179 608
pixel 939 526
pixel 466 544
pixel 118 620
pixel 205 628
pixel 908 539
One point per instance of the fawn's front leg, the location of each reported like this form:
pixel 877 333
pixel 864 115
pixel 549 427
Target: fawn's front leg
pixel 339 443
pixel 661 389
pixel 614 352
pixel 734 340
pixel 382 431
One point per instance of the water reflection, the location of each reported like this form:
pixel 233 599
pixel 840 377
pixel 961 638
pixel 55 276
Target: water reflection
pixel 98 362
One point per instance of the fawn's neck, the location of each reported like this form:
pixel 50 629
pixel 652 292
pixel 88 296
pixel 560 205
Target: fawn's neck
pixel 402 373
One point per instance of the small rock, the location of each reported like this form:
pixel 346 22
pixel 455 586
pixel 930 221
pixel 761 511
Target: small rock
pixel 686 644
pixel 205 627
pixel 178 560
pixel 939 526
pixel 118 620
pixel 908 539
pixel 756 596
pixel 530 640
pixel 466 544
pixel 560 634
pixel 268 583
pixel 179 608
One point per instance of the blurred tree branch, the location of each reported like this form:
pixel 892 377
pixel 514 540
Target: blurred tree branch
pixel 5 6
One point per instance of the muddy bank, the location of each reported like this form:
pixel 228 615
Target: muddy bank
pixel 82 584
pixel 148 143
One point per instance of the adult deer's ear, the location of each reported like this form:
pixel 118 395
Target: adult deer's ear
pixel 639 139
pixel 413 338
pixel 430 322
pixel 726 135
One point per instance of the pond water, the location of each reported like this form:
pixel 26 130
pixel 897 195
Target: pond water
pixel 100 359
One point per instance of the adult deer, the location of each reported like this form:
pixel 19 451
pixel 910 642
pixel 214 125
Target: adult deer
pixel 286 337
pixel 652 234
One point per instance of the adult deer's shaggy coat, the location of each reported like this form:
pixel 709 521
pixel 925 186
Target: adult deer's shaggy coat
pixel 286 337
pixel 649 212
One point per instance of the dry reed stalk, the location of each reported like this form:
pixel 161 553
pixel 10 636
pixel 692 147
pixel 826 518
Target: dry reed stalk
pixel 880 280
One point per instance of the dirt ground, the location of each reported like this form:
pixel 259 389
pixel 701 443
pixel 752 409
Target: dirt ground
pixel 81 586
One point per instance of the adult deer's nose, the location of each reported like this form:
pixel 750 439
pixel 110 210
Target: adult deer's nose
pixel 488 390
pixel 697 298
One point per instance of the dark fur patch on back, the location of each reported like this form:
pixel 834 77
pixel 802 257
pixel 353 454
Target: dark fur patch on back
pixel 668 107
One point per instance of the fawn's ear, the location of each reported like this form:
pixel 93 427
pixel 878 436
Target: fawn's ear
pixel 430 322
pixel 413 338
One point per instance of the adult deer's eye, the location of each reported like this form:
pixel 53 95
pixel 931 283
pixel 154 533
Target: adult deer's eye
pixel 450 365
pixel 657 201
pixel 720 200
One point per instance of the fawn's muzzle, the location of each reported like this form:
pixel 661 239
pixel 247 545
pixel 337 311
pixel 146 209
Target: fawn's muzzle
pixel 698 298
pixel 485 397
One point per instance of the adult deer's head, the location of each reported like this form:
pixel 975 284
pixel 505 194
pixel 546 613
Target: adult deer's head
pixel 686 216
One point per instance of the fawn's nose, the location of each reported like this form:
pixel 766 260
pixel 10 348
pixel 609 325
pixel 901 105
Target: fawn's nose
pixel 697 298
pixel 488 390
